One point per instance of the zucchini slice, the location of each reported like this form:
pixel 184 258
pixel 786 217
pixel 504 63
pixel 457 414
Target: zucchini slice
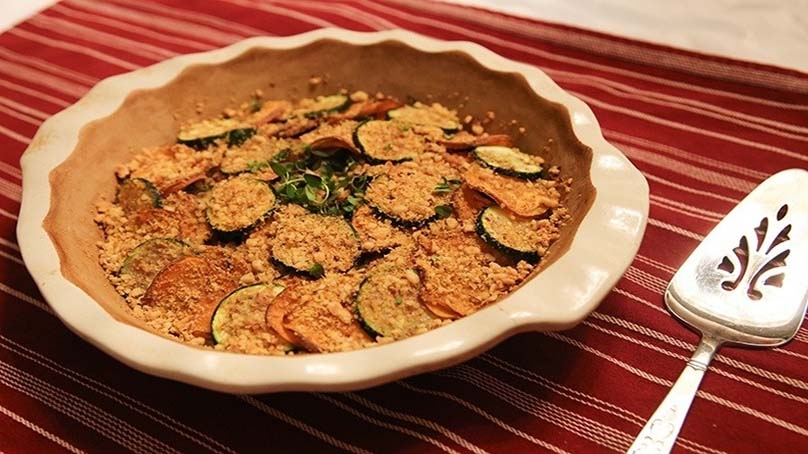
pixel 315 244
pixel 510 161
pixel 326 322
pixel 205 133
pixel 517 237
pixel 239 323
pixel 387 304
pixel 137 194
pixel 323 105
pixel 407 196
pixel 148 258
pixel 238 203
pixel 422 114
pixel 381 141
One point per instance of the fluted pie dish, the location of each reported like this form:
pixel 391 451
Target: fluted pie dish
pixel 74 157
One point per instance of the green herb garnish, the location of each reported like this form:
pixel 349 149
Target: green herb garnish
pixel 316 271
pixel 447 185
pixel 443 211
pixel 322 185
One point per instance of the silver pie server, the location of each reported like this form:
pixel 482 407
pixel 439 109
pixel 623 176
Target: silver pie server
pixel 745 284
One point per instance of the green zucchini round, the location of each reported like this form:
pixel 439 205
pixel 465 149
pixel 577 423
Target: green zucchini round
pixel 425 116
pixel 325 105
pixel 514 236
pixel 205 133
pixel 387 141
pixel 136 194
pixel 149 258
pixel 316 244
pixel 387 304
pixel 408 197
pixel 239 203
pixel 509 161
pixel 239 323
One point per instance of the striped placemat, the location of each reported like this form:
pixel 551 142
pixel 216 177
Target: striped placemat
pixel 703 130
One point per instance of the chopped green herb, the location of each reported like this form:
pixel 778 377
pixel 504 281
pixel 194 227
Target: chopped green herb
pixel 255 105
pixel 237 137
pixel 447 185
pixel 316 271
pixel 322 185
pixel 399 301
pixel 443 211
pixel 256 166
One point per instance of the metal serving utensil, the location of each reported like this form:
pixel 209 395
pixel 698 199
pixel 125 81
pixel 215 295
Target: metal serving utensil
pixel 744 284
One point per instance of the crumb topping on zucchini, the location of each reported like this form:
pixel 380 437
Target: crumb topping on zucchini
pixel 408 195
pixel 325 224
pixel 312 242
pixel 393 141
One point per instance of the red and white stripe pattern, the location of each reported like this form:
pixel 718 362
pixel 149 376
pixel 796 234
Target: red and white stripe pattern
pixel 703 130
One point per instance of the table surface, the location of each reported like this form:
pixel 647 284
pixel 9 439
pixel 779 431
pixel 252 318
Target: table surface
pixel 764 31
pixel 704 121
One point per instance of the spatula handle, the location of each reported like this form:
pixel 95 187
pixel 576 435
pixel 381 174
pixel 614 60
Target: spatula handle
pixel 659 433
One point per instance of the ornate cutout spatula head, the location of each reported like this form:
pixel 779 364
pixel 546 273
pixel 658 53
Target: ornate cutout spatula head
pixel 746 283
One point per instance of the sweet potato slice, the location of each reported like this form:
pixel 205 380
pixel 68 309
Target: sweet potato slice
pixel 188 290
pixel 282 304
pixel 466 141
pixel 523 197
pixel 467 204
pixel 324 319
pixel 459 275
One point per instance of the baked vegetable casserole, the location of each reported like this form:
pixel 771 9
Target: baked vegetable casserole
pixel 326 224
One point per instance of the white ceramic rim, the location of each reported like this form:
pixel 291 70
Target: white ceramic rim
pixel 558 298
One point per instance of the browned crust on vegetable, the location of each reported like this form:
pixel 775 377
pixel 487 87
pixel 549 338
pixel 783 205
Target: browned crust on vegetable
pixel 283 303
pixel 388 140
pixel 244 328
pixel 311 239
pixel 181 217
pixel 370 108
pixel 171 168
pixel 258 151
pixel 388 303
pixel 458 273
pixel 149 258
pixel 440 310
pixel 523 197
pixel 187 291
pixel 375 234
pixel 467 204
pixel 291 128
pixel 270 111
pixel 466 141
pixel 239 202
pixel 332 135
pixel 324 318
pixel 407 193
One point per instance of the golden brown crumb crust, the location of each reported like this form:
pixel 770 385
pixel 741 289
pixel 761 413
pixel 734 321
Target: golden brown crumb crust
pixel 401 234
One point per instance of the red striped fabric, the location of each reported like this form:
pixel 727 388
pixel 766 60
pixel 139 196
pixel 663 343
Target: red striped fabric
pixel 703 130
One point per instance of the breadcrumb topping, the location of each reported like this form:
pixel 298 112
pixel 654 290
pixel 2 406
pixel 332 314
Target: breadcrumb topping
pixel 318 225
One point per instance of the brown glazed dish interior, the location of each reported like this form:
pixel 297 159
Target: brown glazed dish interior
pixel 152 117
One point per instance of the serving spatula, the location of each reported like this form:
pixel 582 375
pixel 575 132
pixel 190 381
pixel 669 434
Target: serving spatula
pixel 745 284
